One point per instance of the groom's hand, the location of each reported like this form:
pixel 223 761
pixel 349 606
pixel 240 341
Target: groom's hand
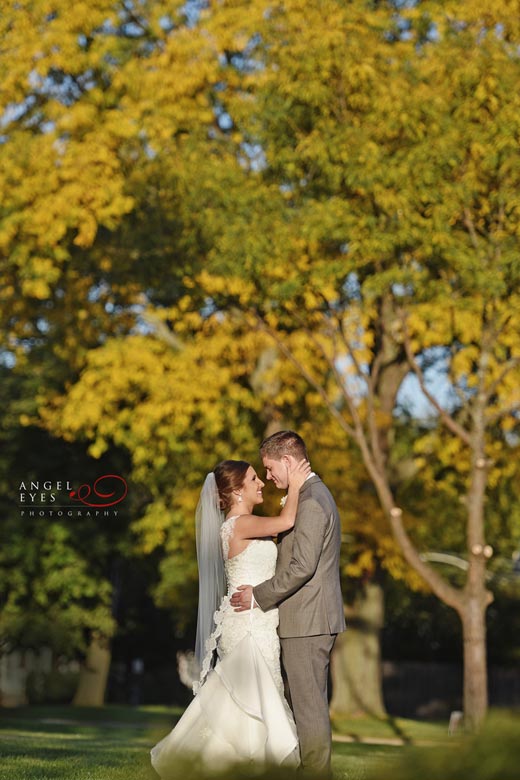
pixel 241 600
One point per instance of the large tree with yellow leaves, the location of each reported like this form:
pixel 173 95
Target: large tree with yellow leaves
pixel 337 179
pixel 385 233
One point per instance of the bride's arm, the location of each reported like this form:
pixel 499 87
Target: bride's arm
pixel 253 526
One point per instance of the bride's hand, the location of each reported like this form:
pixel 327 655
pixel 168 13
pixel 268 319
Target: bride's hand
pixel 298 473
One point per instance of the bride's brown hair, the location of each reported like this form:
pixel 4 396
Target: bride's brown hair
pixel 229 476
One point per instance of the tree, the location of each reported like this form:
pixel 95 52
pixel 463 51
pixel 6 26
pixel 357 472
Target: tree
pixel 55 591
pixel 334 177
pixel 68 149
pixel 388 191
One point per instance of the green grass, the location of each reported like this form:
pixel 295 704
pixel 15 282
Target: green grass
pixel 113 743
pixel 109 743
pixel 401 729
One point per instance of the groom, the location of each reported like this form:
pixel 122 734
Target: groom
pixel 306 589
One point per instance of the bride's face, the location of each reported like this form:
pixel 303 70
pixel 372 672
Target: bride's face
pixel 252 488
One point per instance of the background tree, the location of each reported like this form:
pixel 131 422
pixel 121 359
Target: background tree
pixel 330 179
pixel 395 158
pixel 55 572
pixel 70 279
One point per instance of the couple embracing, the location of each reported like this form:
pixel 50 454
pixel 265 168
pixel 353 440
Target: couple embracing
pixel 257 597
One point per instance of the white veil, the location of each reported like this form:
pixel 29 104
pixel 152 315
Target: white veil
pixel 212 576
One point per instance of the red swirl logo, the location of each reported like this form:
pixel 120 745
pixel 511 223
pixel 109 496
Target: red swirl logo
pixel 101 491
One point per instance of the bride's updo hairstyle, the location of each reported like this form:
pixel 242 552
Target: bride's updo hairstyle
pixel 229 476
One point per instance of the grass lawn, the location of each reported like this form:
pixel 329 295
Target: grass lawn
pixel 113 743
pixel 398 730
pixel 109 743
pixel 371 746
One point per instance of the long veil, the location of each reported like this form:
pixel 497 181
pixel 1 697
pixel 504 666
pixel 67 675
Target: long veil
pixel 212 576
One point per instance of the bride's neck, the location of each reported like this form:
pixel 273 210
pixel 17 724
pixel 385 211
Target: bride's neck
pixel 239 509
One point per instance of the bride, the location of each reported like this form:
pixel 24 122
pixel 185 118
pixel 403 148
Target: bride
pixel 239 712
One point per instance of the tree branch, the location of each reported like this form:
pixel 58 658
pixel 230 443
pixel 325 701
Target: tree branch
pixel 160 328
pixel 453 351
pixel 449 594
pixel 310 379
pixel 438 584
pixel 446 418
pixel 468 221
pixel 375 444
pixel 508 366
pixel 493 418
pixel 332 364
pixel 446 592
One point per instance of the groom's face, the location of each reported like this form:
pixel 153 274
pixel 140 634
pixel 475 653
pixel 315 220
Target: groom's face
pixel 277 471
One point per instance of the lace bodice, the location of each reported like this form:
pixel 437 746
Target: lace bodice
pixel 251 566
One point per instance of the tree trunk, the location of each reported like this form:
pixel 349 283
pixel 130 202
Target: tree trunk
pixel 356 658
pixel 94 673
pixel 475 694
pixel 476 596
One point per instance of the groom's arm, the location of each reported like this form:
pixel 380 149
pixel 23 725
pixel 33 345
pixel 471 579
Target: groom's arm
pixel 308 537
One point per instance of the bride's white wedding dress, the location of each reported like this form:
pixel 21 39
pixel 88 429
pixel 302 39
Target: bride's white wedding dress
pixel 239 712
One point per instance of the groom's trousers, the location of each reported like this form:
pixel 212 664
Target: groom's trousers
pixel 306 662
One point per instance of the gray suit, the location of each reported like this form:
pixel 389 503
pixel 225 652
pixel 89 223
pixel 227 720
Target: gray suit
pixel 306 589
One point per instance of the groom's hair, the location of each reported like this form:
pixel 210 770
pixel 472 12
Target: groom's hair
pixel 283 443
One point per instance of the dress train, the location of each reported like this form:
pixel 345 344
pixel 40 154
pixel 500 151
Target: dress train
pixel 237 716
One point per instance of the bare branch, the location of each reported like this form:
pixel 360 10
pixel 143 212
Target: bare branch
pixel 449 594
pixel 450 559
pixel 436 581
pixel 310 379
pixel 375 443
pixel 332 364
pixel 446 418
pixel 162 331
pixel 453 351
pixel 132 17
pixel 358 424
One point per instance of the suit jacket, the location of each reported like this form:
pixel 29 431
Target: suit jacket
pixel 306 586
